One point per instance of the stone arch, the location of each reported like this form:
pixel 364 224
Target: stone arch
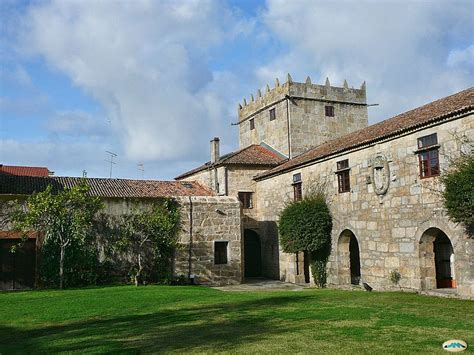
pixel 436 255
pixel 252 254
pixel 348 258
pixel 447 227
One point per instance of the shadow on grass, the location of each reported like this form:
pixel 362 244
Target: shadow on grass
pixel 202 328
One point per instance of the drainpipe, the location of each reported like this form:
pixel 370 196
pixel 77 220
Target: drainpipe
pixel 226 175
pixel 288 119
pixel 190 252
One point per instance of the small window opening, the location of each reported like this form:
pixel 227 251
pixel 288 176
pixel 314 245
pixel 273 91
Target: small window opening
pixel 252 124
pixel 272 114
pixel 329 111
pixel 247 199
pixel 220 253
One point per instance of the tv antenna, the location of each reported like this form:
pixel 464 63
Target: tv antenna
pixel 111 161
pixel 141 167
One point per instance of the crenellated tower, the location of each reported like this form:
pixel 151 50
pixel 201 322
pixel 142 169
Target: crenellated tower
pixel 294 117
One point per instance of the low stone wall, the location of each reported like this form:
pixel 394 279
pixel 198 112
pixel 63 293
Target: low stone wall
pixel 204 220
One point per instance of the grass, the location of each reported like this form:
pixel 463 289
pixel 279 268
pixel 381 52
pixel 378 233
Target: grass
pixel 199 319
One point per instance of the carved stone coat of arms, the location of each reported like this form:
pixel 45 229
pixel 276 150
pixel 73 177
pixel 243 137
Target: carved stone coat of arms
pixel 380 174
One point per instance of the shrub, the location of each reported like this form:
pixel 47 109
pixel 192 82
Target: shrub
pixel 458 194
pixel 395 277
pixel 306 226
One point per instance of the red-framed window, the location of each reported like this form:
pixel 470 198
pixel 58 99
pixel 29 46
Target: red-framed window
pixel 428 156
pixel 343 176
pixel 297 187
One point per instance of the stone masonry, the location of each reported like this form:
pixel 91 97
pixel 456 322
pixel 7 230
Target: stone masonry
pixel 300 109
pixel 390 229
pixel 391 219
pixel 204 220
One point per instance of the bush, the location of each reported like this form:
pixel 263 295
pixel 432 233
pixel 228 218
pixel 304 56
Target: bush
pixel 395 277
pixel 459 191
pixel 306 226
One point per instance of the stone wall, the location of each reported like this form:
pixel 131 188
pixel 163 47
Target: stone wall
pixel 241 179
pixel 390 228
pixel 301 122
pixel 309 125
pixel 213 219
pixel 205 220
pixel 203 177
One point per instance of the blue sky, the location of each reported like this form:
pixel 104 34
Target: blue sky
pixel 153 81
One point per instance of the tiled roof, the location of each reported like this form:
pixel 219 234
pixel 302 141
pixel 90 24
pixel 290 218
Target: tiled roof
pixel 251 155
pixel 24 170
pixel 26 185
pixel 459 103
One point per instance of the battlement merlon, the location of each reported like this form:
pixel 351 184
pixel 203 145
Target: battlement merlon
pixel 303 91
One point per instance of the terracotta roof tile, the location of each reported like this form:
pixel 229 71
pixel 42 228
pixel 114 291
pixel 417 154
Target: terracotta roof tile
pixel 23 170
pixel 26 185
pixel 252 155
pixel 455 104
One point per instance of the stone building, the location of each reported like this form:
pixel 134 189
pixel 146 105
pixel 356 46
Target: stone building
pixel 382 183
pixel 232 175
pixel 210 226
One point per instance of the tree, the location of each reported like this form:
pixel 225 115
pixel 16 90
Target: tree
pixel 458 194
pixel 65 219
pixel 150 235
pixel 306 226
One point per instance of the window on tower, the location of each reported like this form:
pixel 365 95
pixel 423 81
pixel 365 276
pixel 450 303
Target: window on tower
pixel 329 111
pixel 252 124
pixel 272 114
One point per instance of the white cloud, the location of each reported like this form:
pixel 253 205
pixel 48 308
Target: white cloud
pixel 78 123
pixel 399 48
pixel 156 70
pixel 461 56
pixel 144 61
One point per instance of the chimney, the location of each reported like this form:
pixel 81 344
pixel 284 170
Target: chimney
pixel 214 150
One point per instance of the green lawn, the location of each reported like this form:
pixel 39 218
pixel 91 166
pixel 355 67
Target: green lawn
pixel 199 319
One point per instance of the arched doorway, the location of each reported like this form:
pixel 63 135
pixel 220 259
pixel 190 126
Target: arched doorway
pixel 436 260
pixel 348 258
pixel 252 254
